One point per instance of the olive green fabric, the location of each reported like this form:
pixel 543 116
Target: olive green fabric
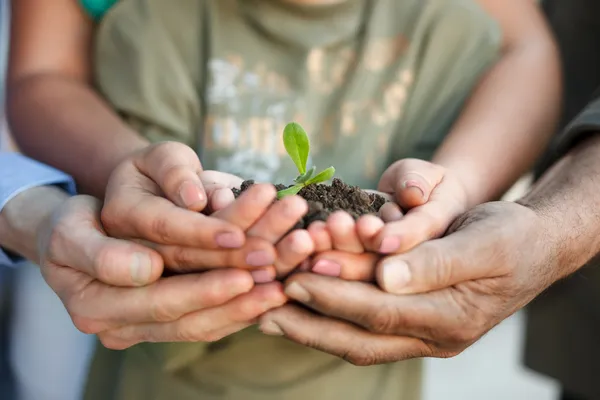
pixel 370 80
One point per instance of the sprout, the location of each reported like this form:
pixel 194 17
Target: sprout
pixel 297 146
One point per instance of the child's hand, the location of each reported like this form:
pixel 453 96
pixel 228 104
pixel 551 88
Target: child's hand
pixel 428 199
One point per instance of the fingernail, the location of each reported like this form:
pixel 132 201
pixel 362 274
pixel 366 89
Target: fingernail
pixel 259 259
pixel 262 276
pixel 396 276
pixel 229 240
pixel 191 195
pixel 414 185
pixel 390 244
pixel 141 268
pixel 327 268
pixel 271 328
pixel 297 292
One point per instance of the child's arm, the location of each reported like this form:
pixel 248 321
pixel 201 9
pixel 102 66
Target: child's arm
pixel 511 115
pixel 502 130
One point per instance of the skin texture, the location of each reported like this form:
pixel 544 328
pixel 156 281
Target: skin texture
pixel 442 296
pixel 49 76
pixel 114 287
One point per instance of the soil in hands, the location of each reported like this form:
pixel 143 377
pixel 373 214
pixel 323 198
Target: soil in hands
pixel 325 199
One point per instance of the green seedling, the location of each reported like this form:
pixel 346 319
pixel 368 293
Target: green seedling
pixel 297 146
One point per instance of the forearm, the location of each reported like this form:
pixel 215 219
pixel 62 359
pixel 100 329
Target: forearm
pixel 73 129
pixel 566 197
pixel 23 216
pixel 508 121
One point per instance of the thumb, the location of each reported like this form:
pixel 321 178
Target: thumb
pixel 411 181
pixel 175 168
pixel 75 240
pixel 437 264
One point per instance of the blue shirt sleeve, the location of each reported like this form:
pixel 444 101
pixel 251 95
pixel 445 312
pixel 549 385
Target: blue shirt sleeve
pixel 19 173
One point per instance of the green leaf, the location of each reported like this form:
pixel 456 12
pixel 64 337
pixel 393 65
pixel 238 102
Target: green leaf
pixel 297 145
pixel 322 176
pixel 289 191
pixel 303 178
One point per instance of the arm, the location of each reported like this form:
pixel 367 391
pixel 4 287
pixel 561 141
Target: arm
pixel 509 119
pixel 49 77
pixel 567 198
pixel 26 202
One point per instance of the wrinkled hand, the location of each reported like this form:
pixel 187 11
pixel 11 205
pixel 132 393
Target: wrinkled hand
pixel 436 300
pixel 77 258
pixel 155 197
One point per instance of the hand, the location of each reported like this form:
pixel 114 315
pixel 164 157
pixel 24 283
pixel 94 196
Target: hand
pixel 436 300
pixel 77 257
pixel 430 197
pixel 155 195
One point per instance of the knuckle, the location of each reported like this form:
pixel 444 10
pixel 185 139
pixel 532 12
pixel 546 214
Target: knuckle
pixel 85 325
pixel 363 358
pixel 384 320
pixel 173 175
pixel 193 333
pixel 111 218
pixel 161 312
pixel 112 342
pixel 441 266
pixel 182 259
pixel 161 228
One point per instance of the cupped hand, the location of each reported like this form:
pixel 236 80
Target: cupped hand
pixel 427 199
pixel 77 258
pixel 433 301
pixel 155 197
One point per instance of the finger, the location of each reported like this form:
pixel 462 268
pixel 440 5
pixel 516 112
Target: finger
pixel 138 215
pixel 342 229
pixel 218 187
pixel 255 253
pixel 208 325
pixel 412 181
pixel 320 236
pixel 367 228
pixel 219 199
pixel 442 263
pixel 98 307
pixel 390 212
pixel 435 316
pixel 347 266
pixel 249 207
pixel 279 219
pixel 175 168
pixel 292 250
pixel 76 241
pixel 417 226
pixel 339 338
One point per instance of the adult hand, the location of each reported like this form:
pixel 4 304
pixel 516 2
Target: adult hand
pixel 436 300
pixel 77 258
pixel 155 196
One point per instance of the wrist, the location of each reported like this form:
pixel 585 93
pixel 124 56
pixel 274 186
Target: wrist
pixel 22 217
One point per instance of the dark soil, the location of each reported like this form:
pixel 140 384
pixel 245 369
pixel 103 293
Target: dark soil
pixel 325 199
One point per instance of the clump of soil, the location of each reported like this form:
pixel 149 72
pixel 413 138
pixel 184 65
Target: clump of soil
pixel 325 199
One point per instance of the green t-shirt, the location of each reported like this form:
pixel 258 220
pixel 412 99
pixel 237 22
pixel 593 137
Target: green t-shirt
pixel 372 81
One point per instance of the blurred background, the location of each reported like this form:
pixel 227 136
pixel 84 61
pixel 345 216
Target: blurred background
pixel 492 369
